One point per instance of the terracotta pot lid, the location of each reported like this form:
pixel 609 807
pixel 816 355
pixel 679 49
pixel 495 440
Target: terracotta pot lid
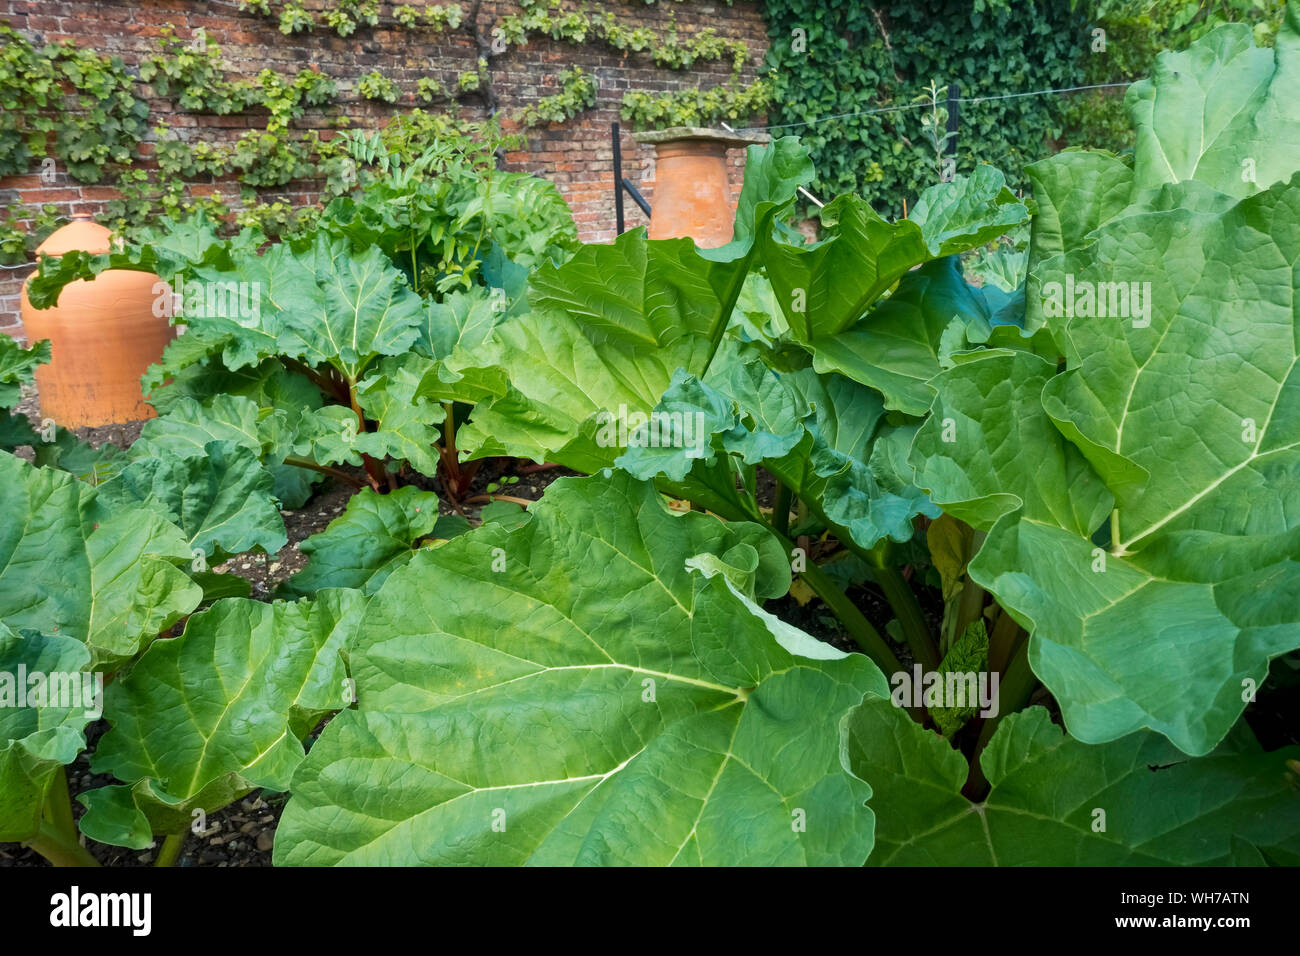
pixel 82 233
pixel 676 134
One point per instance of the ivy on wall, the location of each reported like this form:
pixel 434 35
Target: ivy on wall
pixel 831 60
pixel 670 49
pixel 834 57
pixel 577 93
pixel 18 242
pixel 82 100
pixel 733 100
pixel 346 15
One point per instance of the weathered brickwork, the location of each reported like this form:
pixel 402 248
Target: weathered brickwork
pixel 576 155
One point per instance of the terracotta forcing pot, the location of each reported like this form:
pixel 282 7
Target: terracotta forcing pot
pixel 103 335
pixel 691 194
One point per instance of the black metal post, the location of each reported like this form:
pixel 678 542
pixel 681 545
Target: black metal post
pixel 618 178
pixel 636 196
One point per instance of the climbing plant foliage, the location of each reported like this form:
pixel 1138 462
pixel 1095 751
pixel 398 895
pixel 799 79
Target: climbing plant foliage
pixel 834 57
pixel 81 100
pixel 829 58
pixel 861 82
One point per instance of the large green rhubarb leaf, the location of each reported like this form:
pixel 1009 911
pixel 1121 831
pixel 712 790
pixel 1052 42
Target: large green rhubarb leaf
pixel 633 293
pixel 1076 191
pixel 38 736
pixel 608 329
pixel 819 434
pixel 206 717
pixel 1183 414
pixel 1058 802
pixel 1219 119
pixel 375 535
pixel 640 710
pixel 198 374
pixel 317 301
pixel 223 503
pixel 823 288
pixel 897 348
pixel 606 332
pixel 1223 112
pixel 988 448
pixel 110 580
pixel 967 212
pixel 188 427
pixel 1199 387
pixel 465 319
pixel 362 308
pixel 773 175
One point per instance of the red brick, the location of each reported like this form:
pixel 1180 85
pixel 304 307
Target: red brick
pixel 576 154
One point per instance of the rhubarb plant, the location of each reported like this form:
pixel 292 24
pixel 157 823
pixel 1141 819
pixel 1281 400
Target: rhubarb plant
pixel 1136 496
pixel 91 577
pixel 1090 478
pixel 641 707
pixel 375 535
pixel 36 741
pixel 1055 801
pixel 240 688
pixel 646 331
pixel 335 329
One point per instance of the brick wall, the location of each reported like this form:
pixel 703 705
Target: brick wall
pixel 577 155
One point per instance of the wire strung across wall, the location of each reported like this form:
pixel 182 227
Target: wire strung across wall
pixel 927 104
